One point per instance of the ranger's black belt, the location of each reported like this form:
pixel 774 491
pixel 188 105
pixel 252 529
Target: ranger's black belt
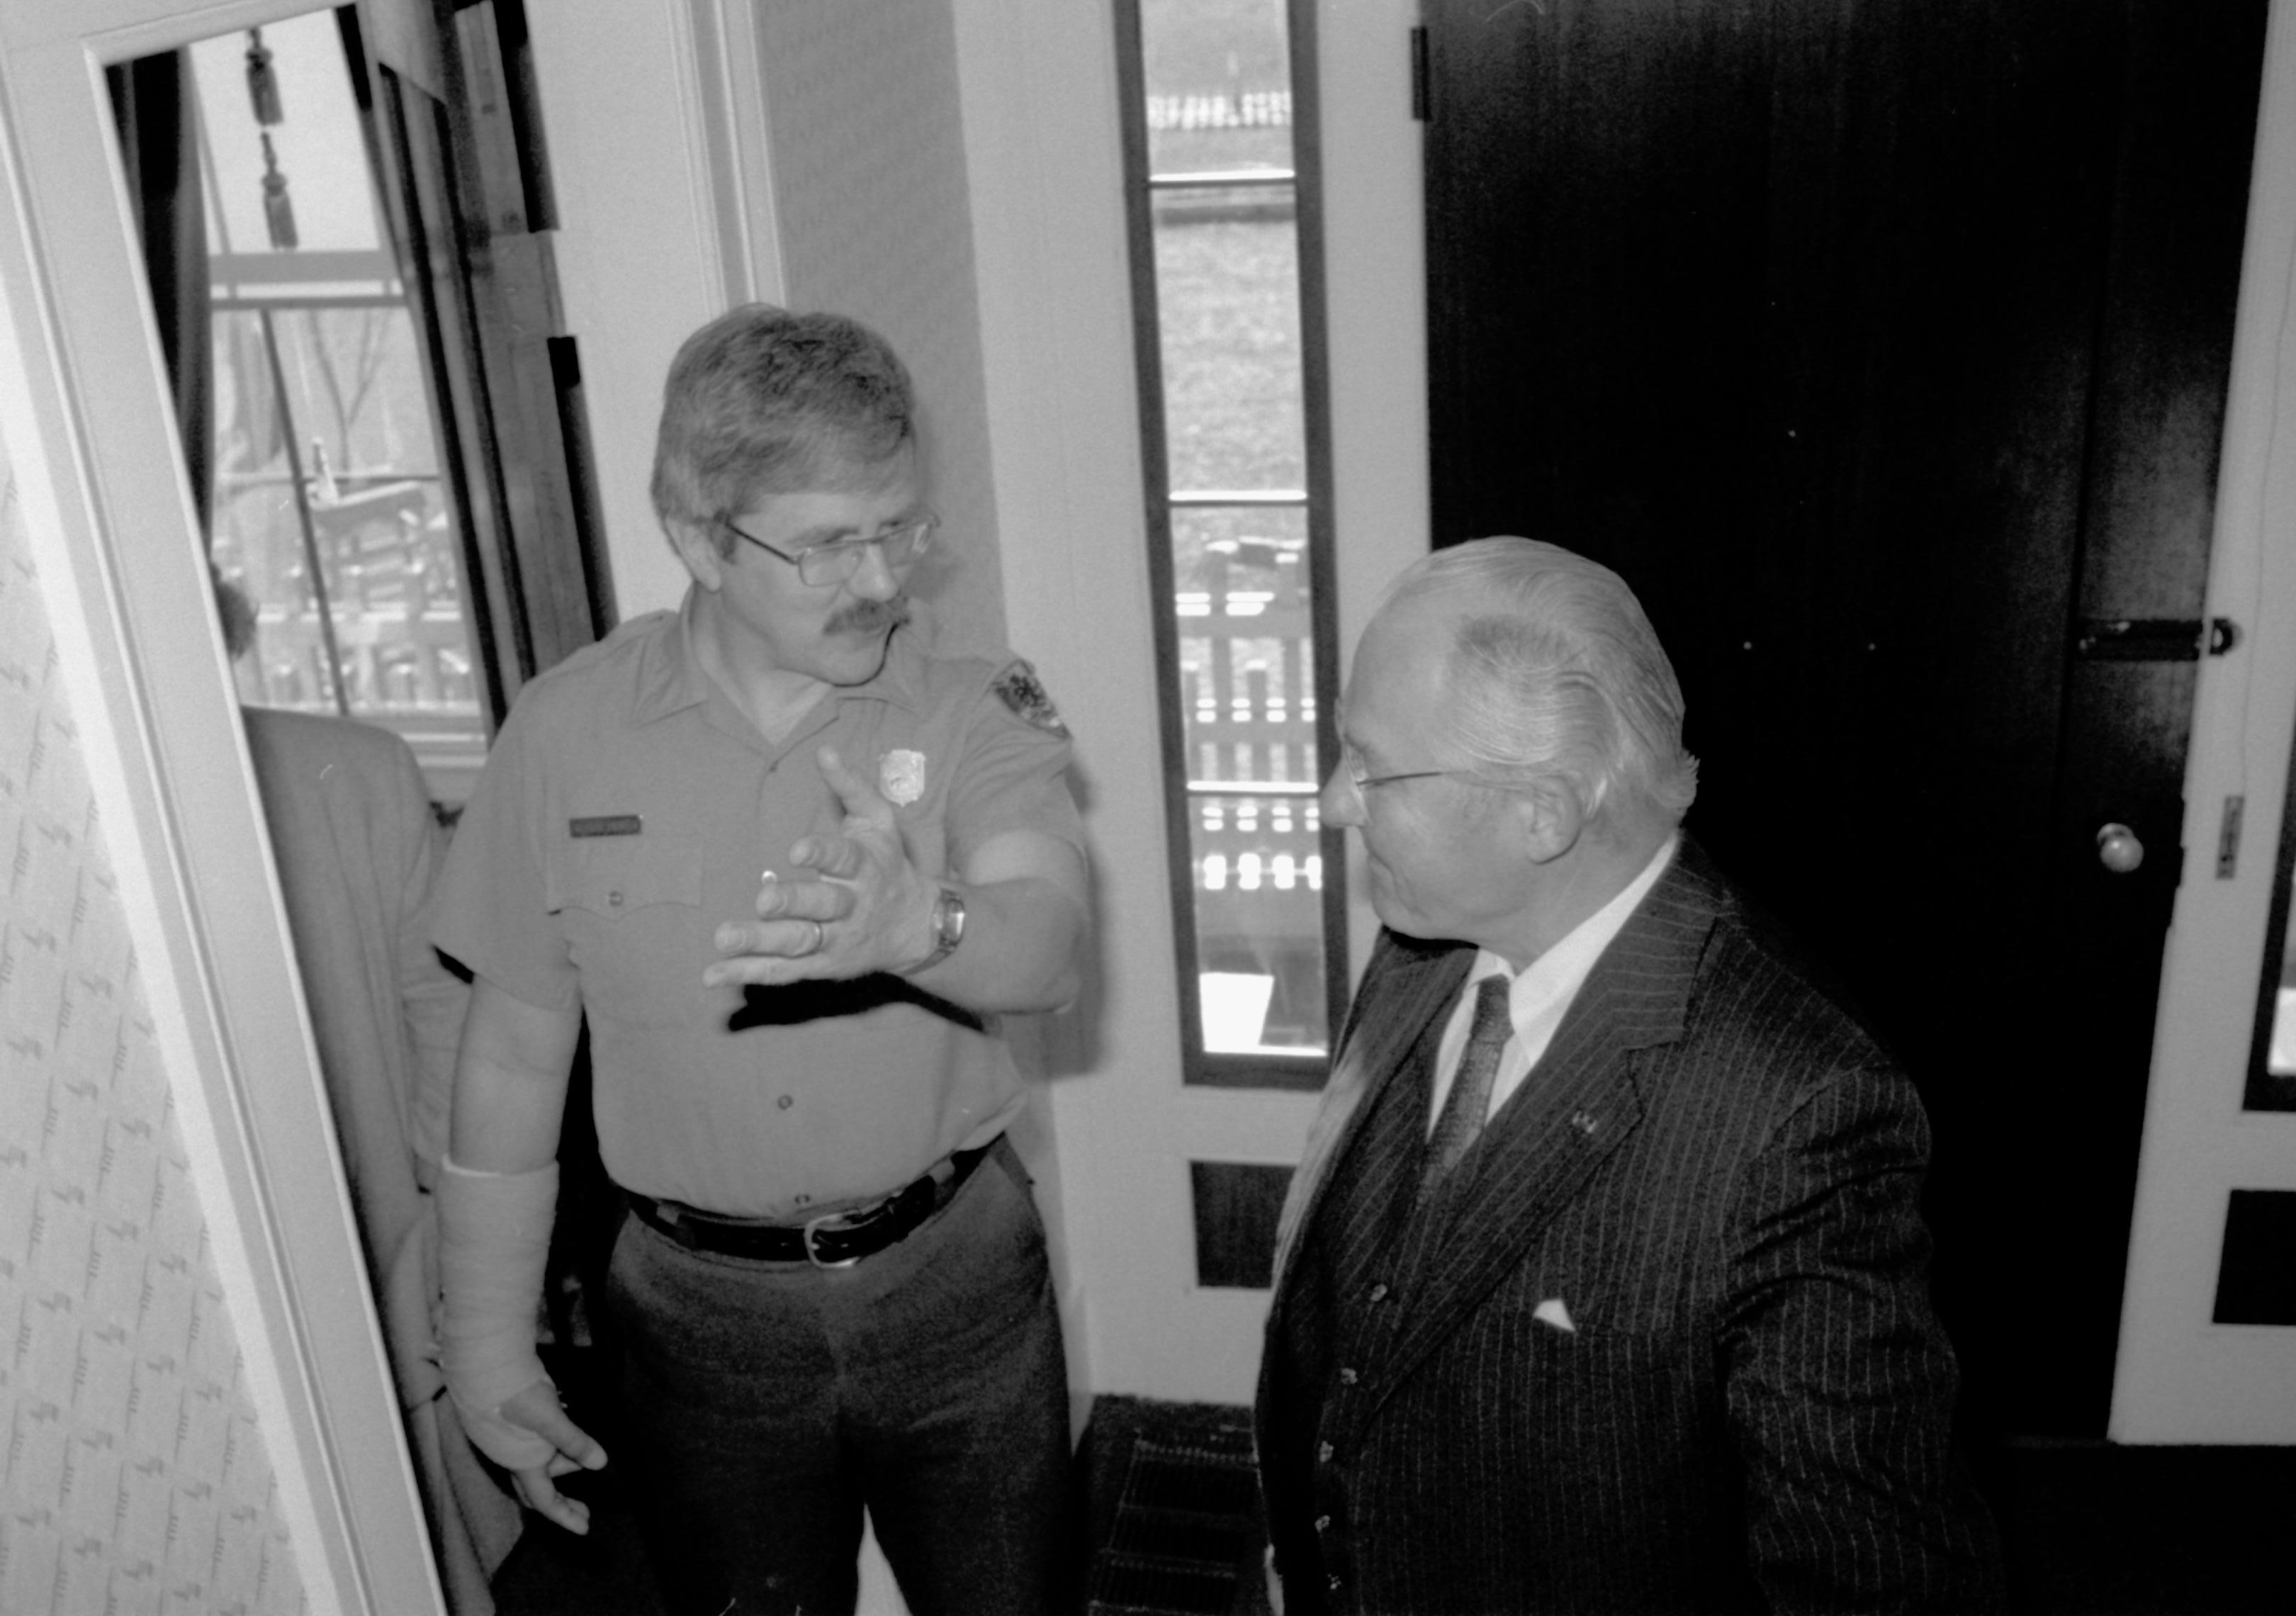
pixel 834 1240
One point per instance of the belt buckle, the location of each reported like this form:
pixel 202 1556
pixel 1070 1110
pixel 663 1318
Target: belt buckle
pixel 811 1228
pixel 666 1220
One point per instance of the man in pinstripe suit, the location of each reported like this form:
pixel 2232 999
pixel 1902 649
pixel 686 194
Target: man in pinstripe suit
pixel 1602 1286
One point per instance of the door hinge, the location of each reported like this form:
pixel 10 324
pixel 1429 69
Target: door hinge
pixel 1419 74
pixel 2153 639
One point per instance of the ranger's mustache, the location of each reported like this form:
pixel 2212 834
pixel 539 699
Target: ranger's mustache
pixel 865 617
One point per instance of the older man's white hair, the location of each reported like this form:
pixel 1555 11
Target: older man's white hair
pixel 1555 671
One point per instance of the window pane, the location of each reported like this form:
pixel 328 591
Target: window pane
pixel 389 575
pixel 1227 289
pixel 1221 205
pixel 353 385
pixel 2280 1043
pixel 1247 665
pixel 330 511
pixel 1248 704
pixel 1219 85
pixel 2271 1062
pixel 1260 923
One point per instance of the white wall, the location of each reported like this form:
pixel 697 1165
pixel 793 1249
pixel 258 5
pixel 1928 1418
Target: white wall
pixel 1054 315
pixel 644 153
pixel 126 1396
pixel 867 145
pixel 1043 153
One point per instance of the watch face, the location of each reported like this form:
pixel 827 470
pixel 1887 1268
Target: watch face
pixel 948 919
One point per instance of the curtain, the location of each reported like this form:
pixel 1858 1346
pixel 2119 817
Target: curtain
pixel 152 106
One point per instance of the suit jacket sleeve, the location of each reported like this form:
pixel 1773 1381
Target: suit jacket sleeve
pixel 1840 1382
pixel 432 999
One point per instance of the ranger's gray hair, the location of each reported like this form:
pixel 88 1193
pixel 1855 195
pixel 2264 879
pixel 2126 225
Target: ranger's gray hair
pixel 763 401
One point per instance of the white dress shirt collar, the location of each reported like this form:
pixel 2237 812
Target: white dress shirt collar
pixel 1542 990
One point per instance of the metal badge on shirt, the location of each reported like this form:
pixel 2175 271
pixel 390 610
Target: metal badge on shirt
pixel 901 776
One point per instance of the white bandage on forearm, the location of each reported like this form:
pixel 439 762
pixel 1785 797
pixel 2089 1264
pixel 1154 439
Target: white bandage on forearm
pixel 494 1244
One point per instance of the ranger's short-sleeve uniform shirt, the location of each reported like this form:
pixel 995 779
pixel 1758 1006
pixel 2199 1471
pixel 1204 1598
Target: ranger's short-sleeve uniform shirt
pixel 629 808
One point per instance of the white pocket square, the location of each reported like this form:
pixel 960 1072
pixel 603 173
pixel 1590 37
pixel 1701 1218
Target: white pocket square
pixel 1553 1312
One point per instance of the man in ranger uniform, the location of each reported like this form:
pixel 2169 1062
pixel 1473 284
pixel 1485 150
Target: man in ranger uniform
pixel 831 1288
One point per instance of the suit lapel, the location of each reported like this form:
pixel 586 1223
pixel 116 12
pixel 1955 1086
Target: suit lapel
pixel 1406 984
pixel 1576 1106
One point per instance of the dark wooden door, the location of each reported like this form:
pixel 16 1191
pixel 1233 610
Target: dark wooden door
pixel 1882 346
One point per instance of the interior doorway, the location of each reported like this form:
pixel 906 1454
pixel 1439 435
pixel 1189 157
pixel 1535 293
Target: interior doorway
pixel 381 436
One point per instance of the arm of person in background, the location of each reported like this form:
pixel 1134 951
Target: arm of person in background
pixel 497 1199
pixel 433 1000
pixel 1840 1382
pixel 853 903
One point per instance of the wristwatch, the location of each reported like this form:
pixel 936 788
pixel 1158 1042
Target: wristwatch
pixel 947 931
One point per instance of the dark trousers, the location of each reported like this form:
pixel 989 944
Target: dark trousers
pixel 767 1403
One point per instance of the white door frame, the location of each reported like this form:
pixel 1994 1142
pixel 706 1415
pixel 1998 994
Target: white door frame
pixel 2180 1378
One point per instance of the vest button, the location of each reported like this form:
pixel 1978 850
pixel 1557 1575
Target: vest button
pixel 1379 1291
pixel 1323 1452
pixel 1323 1524
pixel 1348 1377
pixel 1333 1582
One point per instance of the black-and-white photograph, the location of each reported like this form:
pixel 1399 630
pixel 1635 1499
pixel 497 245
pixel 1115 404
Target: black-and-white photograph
pixel 1147 808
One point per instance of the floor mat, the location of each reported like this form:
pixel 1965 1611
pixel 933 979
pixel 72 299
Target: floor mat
pixel 1184 1536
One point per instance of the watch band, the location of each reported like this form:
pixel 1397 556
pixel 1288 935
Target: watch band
pixel 947 931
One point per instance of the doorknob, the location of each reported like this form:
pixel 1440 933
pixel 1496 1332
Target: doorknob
pixel 2117 848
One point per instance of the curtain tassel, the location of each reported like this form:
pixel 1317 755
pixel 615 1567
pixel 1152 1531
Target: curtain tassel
pixel 262 82
pixel 278 211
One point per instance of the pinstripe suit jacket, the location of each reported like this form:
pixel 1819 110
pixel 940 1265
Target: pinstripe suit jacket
pixel 1715 1171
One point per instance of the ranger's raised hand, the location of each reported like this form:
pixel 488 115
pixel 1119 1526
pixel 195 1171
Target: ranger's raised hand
pixel 851 902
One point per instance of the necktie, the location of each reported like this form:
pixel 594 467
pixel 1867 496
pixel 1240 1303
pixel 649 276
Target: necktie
pixel 1471 1085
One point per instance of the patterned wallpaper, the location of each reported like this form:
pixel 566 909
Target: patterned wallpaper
pixel 135 1479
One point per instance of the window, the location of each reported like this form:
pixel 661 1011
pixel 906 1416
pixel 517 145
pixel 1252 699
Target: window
pixel 330 510
pixel 351 263
pixel 1221 179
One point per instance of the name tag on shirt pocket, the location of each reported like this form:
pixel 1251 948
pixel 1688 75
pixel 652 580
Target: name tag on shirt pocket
pixel 611 876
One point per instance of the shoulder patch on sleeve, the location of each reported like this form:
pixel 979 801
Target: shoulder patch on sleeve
pixel 1019 689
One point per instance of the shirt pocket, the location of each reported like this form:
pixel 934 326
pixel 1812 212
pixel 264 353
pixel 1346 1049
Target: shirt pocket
pixel 631 908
